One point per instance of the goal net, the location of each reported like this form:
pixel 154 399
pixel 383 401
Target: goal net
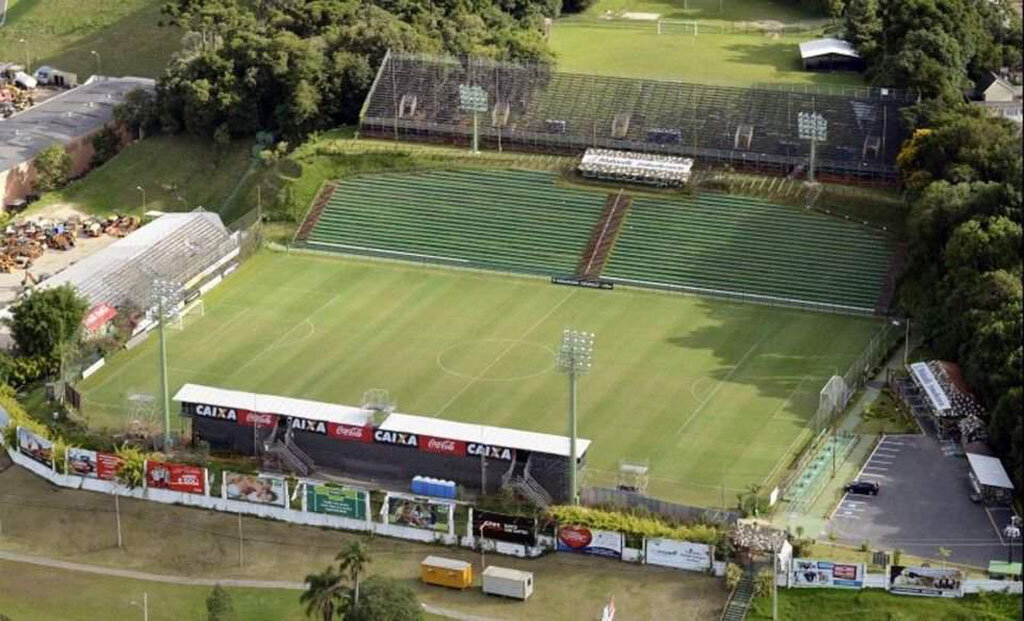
pixel 677 26
pixel 831 400
pixel 187 315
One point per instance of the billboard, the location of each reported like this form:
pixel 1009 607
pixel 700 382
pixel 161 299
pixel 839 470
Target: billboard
pixel 678 554
pixel 589 541
pixel 176 477
pixel 336 500
pixel 265 490
pixel 501 527
pixel 816 573
pixel 92 464
pixel 418 513
pixel 35 446
pixel 927 581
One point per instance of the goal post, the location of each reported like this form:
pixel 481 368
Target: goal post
pixel 187 315
pixel 678 26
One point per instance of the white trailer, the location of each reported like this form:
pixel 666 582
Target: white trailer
pixel 508 582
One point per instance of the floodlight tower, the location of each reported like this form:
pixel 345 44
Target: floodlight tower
pixel 473 99
pixel 811 126
pixel 166 294
pixel 574 359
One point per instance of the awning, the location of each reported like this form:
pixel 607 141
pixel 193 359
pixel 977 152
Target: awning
pixel 989 471
pixel 99 316
pixel 926 380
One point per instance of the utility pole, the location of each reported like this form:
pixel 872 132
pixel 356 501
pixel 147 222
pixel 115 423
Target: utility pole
pixel 117 512
pixel 775 580
pixel 241 544
pixel 574 359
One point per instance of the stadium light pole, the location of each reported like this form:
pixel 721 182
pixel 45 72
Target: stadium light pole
pixel 1012 533
pixel 164 290
pixel 473 99
pixel 574 359
pixel 811 126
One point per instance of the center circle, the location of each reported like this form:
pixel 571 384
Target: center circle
pixel 496 360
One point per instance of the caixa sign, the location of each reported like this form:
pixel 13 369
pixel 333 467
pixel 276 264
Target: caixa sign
pixel 442 446
pixel 247 418
pixel 490 452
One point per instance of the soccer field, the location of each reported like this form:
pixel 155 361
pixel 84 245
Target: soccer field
pixel 715 394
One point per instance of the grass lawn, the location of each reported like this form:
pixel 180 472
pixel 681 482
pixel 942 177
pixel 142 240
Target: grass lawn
pixel 42 593
pixel 177 172
pixel 166 539
pixel 63 33
pixel 726 388
pixel 872 604
pixel 728 59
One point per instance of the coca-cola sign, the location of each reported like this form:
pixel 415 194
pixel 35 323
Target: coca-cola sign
pixel 247 418
pixel 443 446
pixel 353 433
pixel 256 419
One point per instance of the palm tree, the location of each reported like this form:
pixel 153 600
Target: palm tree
pixel 353 560
pixel 324 595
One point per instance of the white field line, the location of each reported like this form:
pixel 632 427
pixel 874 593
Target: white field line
pixel 718 387
pixel 514 343
pixel 283 335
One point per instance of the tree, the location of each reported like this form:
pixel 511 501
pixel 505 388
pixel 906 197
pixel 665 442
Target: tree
pixel 42 322
pixel 864 27
pixel 325 595
pixel 138 113
pixel 352 561
pixel 219 606
pixel 105 144
pixel 53 166
pixel 385 599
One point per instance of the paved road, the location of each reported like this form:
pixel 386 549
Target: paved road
pixel 186 581
pixel 924 504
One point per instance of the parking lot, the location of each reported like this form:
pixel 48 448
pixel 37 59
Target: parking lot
pixel 923 504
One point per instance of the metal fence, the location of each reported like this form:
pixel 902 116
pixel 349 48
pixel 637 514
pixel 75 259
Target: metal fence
pixel 620 499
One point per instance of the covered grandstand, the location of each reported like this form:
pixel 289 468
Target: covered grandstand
pixel 533 107
pixel 184 248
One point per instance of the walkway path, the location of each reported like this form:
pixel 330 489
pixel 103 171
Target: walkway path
pixel 186 581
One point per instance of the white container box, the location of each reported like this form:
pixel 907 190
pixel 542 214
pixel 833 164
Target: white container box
pixel 508 582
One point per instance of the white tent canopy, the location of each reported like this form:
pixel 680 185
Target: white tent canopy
pixel 989 471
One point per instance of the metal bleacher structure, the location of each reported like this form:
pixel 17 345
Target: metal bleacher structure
pixel 535 108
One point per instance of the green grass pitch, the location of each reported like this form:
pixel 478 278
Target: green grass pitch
pixel 715 394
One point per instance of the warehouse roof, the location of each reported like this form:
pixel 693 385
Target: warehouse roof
pixel 989 471
pixel 824 47
pixel 483 434
pixel 273 404
pixel 175 245
pixel 60 119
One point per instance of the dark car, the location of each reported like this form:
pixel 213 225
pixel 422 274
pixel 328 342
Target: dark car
pixel 862 487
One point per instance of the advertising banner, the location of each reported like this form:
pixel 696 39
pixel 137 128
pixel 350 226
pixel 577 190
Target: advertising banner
pixel 35 446
pixel 418 513
pixel 93 464
pixel 239 416
pixel 590 541
pixel 678 554
pixel 336 500
pixel 176 477
pixel 926 581
pixel 815 573
pixel 510 528
pixel 265 490
pixel 353 433
pixel 443 446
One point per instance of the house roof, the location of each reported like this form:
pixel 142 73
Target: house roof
pixel 824 47
pixel 60 119
pixel 989 471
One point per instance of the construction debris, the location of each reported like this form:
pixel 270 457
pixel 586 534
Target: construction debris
pixel 24 242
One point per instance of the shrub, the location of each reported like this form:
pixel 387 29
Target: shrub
pixel 18 417
pixel 632 524
pixel 733 575
pixel 763 583
pixel 132 469
pixel 53 167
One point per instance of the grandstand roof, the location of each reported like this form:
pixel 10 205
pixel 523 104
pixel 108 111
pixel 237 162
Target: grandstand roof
pixel 532 106
pixel 824 47
pixel 484 434
pixel 273 404
pixel 175 245
pixel 922 373
pixel 64 117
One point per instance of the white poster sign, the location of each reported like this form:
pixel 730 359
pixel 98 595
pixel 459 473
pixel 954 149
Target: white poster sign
pixel 809 572
pixel 678 554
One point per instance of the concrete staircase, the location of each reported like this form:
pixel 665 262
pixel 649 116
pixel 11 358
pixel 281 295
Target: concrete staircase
pixel 739 603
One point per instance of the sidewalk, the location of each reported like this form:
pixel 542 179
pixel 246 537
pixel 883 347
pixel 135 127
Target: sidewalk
pixel 816 516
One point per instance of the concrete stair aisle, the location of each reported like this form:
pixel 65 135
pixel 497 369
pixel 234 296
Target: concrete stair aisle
pixel 314 213
pixel 739 603
pixel 603 237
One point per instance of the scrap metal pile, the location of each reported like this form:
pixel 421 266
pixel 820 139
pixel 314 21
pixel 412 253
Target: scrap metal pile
pixel 24 242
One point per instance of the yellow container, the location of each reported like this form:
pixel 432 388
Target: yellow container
pixel 446 572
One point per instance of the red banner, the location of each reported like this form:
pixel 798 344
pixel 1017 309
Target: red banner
pixel 354 433
pixel 256 419
pixel 176 477
pixel 443 446
pixel 106 466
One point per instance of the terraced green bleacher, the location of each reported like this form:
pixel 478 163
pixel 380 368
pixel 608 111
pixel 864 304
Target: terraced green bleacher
pixel 501 219
pixel 734 244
